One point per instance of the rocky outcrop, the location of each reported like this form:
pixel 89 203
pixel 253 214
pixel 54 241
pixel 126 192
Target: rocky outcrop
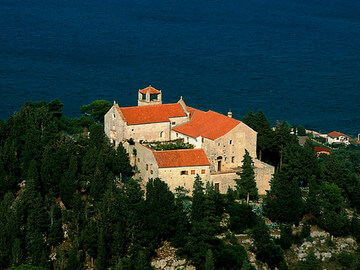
pixel 166 259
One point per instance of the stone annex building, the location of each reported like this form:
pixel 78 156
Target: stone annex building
pixel 219 142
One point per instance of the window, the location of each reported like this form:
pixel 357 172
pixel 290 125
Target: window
pixel 161 134
pixel 202 171
pixel 202 139
pixel 151 172
pixel 114 115
pixel 153 97
pixel 114 143
pixel 173 123
pixel 217 187
pixel 132 129
pixel 187 139
pixel 218 144
pixel 147 167
pixel 184 173
pixel 230 142
pixel 177 135
pixel 138 159
pixel 192 171
pixel 232 159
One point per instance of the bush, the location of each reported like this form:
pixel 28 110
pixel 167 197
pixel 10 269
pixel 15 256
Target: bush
pixel 346 259
pixel 336 224
pixel 241 217
pixel 286 240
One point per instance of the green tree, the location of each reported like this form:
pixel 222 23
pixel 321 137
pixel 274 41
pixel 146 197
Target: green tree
pixel 266 250
pixel 97 109
pixel 265 136
pixel 160 204
pixel 68 182
pixel 284 203
pixel 301 131
pixel 209 260
pixel 198 198
pixel 246 185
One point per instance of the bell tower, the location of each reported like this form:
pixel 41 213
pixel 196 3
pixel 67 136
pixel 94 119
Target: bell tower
pixel 149 96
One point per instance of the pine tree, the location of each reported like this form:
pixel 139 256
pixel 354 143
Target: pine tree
pixel 198 198
pixel 209 260
pixel 246 185
pixel 283 203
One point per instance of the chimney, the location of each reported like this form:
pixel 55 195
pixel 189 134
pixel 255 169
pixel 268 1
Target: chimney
pixel 230 113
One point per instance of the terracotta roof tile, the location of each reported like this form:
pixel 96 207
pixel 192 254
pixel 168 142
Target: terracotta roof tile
pixel 151 113
pixel 336 134
pixel 211 125
pixel 321 149
pixel 149 89
pixel 181 158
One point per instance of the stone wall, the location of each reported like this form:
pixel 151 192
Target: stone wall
pixel 231 147
pixel 145 162
pixel 184 176
pixel 114 126
pixel 225 180
pixel 263 174
pixel 149 132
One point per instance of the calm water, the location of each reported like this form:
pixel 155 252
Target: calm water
pixel 297 60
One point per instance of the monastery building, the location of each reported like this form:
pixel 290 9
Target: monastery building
pixel 218 142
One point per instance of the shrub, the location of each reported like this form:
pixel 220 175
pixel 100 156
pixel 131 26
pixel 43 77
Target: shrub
pixel 285 240
pixel 241 217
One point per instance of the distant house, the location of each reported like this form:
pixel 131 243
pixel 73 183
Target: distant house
pixel 321 150
pixel 338 137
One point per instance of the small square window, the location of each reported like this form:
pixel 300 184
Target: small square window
pixel 217 187
pixel 232 159
pixel 202 171
pixel 151 172
pixel 192 171
pixel 132 129
pixel 218 144
pixel 184 173
pixel 147 167
pixel 230 142
pixel 173 123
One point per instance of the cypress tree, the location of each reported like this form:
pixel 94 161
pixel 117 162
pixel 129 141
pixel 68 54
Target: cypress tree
pixel 246 185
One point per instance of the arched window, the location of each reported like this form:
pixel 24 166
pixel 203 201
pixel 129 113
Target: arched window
pixel 161 134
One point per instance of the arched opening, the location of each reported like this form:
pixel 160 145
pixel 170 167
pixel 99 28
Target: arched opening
pixel 219 160
pixel 161 134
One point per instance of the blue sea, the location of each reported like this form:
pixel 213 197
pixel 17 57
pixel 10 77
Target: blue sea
pixel 297 60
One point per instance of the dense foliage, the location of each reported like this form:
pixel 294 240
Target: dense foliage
pixel 68 200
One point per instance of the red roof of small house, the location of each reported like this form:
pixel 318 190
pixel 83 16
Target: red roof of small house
pixel 321 149
pixel 336 134
pixel 151 113
pixel 181 158
pixel 149 89
pixel 211 125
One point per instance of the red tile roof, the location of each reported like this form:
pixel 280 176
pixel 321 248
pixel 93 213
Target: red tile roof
pixel 321 149
pixel 149 89
pixel 211 125
pixel 336 134
pixel 151 113
pixel 181 158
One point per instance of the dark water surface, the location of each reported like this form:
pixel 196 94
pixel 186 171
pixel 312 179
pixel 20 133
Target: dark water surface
pixel 297 60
